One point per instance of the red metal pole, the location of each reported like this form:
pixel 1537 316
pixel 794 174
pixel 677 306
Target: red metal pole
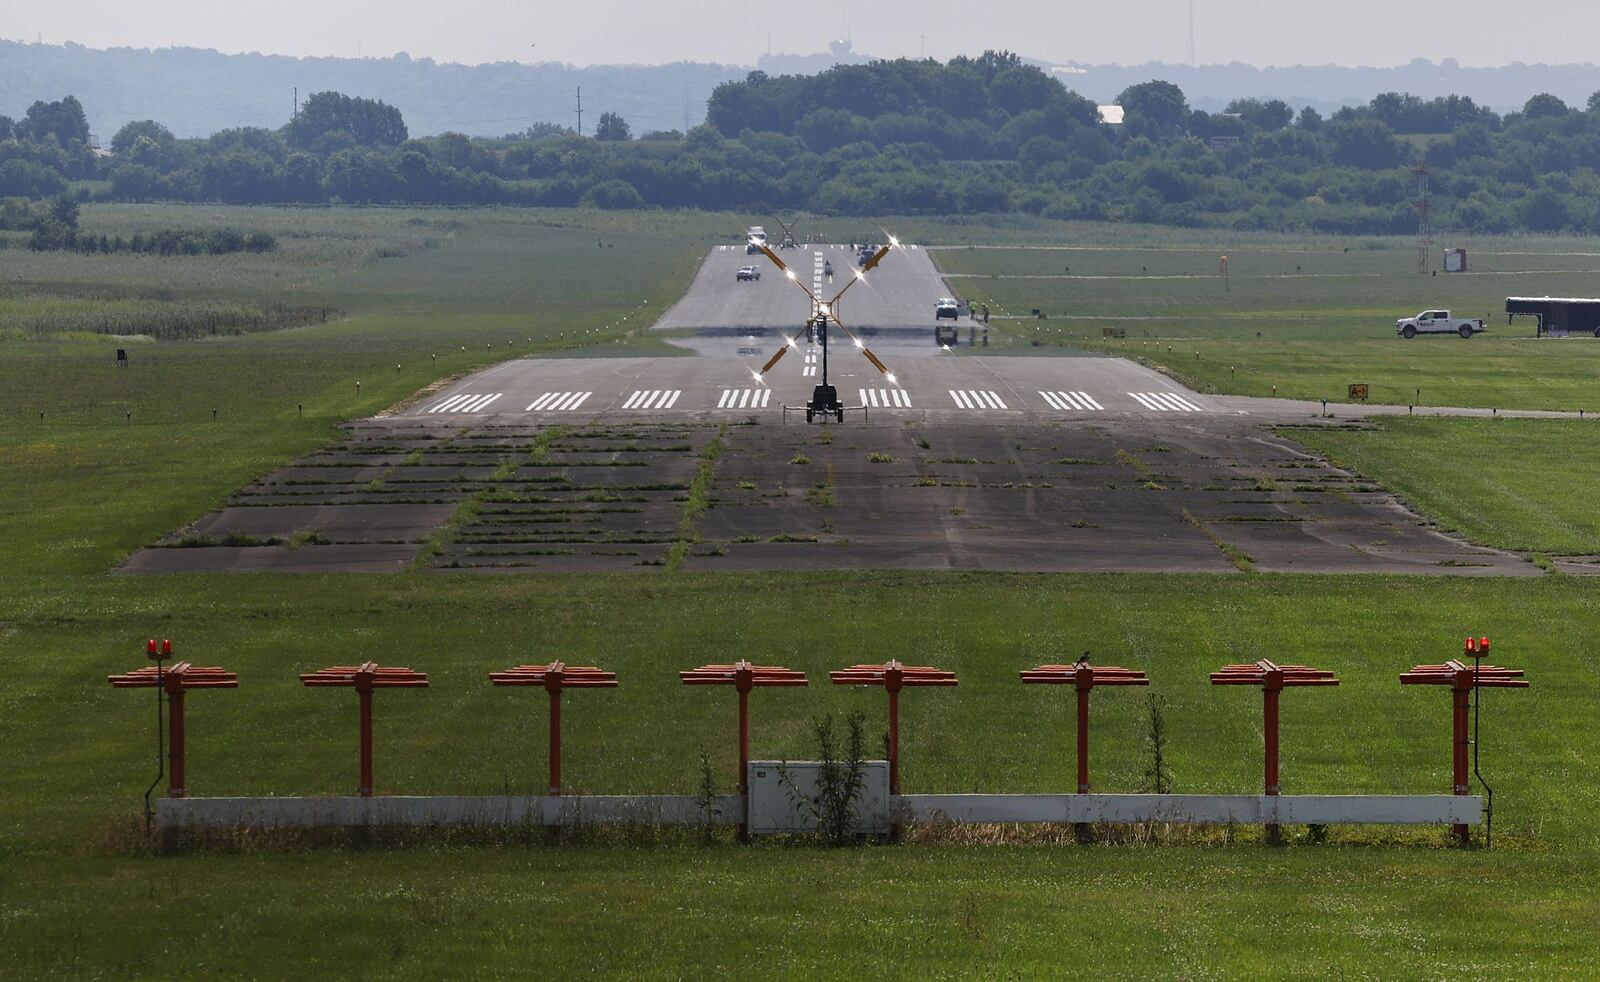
pixel 1085 683
pixel 175 782
pixel 364 689
pixel 1461 693
pixel 555 741
pixel 744 739
pixel 1270 692
pixel 894 740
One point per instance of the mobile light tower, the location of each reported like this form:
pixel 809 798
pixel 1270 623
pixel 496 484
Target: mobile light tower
pixel 824 397
pixel 788 240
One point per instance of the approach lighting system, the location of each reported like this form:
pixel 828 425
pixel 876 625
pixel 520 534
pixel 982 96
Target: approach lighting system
pixel 825 397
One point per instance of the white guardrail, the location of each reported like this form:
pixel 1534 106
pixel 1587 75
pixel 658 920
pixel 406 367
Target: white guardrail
pixel 686 810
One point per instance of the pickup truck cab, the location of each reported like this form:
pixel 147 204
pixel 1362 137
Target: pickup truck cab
pixel 1437 322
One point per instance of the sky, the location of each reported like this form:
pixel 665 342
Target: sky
pixel 1257 32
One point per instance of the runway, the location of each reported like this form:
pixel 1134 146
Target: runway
pixel 955 460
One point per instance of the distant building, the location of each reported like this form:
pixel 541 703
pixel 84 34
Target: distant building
pixel 838 53
pixel 1110 115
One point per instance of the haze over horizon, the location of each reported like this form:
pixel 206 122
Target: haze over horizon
pixel 1364 33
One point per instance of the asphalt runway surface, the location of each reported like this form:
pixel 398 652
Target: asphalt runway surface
pixel 961 461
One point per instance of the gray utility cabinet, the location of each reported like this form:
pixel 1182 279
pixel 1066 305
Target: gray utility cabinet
pixel 774 808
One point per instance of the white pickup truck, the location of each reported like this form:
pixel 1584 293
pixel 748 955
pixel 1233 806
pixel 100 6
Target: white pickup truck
pixel 1437 322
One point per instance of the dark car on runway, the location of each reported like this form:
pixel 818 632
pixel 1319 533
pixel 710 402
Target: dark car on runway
pixel 747 273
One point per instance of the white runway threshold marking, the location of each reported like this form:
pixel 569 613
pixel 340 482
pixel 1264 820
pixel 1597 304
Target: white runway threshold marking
pixel 1070 401
pixel 977 399
pixel 653 399
pixel 558 402
pixel 886 398
pixel 467 402
pixel 1166 402
pixel 744 399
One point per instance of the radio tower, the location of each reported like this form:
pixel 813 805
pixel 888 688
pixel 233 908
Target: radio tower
pixel 1424 208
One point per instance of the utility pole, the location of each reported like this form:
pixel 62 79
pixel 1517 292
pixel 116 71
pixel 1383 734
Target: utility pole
pixel 296 103
pixel 580 110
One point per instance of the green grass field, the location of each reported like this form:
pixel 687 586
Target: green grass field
pixel 1308 316
pixel 84 487
pixel 1518 484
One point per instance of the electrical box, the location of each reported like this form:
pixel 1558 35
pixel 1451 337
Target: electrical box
pixel 1455 260
pixel 783 796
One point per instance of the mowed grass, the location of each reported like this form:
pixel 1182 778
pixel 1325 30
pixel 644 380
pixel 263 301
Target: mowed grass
pixel 81 758
pixel 1297 316
pixel 85 486
pixel 1519 484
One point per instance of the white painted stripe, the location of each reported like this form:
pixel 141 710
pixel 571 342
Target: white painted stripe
pixel 723 402
pixel 999 402
pixel 744 398
pixel 483 404
pixel 1089 400
pixel 633 400
pixel 907 396
pixel 895 394
pixel 672 400
pixel 1073 401
pixel 452 401
pixel 1145 402
pixel 1061 400
pixel 582 398
pixel 960 400
pixel 539 403
pixel 555 404
pixel 1192 407
pixel 766 396
pixel 470 404
pixel 1051 400
pixel 1167 403
pixel 872 397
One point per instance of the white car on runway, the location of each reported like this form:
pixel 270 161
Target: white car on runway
pixel 947 307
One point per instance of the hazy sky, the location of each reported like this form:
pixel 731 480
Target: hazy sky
pixel 1260 32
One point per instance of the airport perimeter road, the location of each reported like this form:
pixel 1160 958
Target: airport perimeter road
pixel 900 292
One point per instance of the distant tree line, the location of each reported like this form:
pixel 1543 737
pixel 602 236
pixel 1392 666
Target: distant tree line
pixel 54 228
pixel 973 135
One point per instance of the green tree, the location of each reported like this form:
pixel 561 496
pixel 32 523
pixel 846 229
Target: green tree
pixel 1544 106
pixel 1363 142
pixel 612 127
pixel 369 122
pixel 147 129
pixel 64 211
pixel 1153 108
pixel 613 195
pixel 63 120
